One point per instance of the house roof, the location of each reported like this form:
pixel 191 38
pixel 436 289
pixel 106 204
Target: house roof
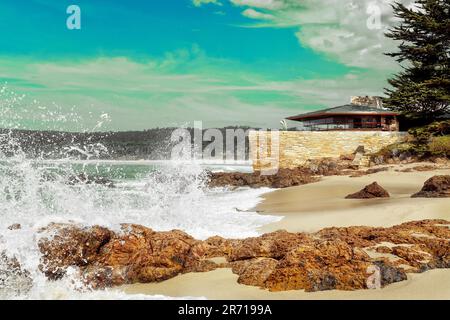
pixel 347 109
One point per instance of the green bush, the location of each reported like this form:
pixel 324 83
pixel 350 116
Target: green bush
pixel 435 129
pixel 432 140
pixel 440 146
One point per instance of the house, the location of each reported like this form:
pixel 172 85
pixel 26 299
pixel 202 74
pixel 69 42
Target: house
pixel 362 114
pixel 329 133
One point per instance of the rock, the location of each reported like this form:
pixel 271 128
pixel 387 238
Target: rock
pixel 420 168
pixel 359 159
pixel 347 157
pixel 376 170
pixel 218 247
pixel 361 173
pixel 377 160
pixel 357 174
pixel 373 190
pixel 254 272
pixel 424 168
pixel 435 187
pixel 389 274
pixel 405 170
pixel 148 256
pixel 383 249
pixel 64 245
pixel 440 160
pixel 84 178
pixel 105 258
pixel 15 226
pixel 324 265
pixel 282 179
pixel 332 258
pixel 324 167
pixel 413 255
pixel 271 245
pixel 14 280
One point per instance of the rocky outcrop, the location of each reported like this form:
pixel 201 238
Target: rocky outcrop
pixel 323 265
pixel 254 272
pixel 105 258
pixel 360 173
pixel 373 190
pixel 435 187
pixel 421 168
pixel 333 258
pixel 282 179
pixel 69 245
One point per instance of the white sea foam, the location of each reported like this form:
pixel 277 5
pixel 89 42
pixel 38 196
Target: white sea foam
pixel 35 192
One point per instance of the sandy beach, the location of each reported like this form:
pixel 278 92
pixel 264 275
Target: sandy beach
pixel 314 206
pixel 311 207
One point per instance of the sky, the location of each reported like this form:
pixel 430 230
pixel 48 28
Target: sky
pixel 143 64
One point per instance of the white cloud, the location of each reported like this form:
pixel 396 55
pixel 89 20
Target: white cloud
pixel 342 29
pixel 140 95
pixel 199 3
pixel 253 14
pixel 262 4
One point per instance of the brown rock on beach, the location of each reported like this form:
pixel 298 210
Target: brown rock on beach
pixel 373 190
pixel 137 254
pixel 284 177
pixel 435 187
pixel 332 258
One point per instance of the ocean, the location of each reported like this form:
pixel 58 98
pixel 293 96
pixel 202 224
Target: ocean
pixel 162 195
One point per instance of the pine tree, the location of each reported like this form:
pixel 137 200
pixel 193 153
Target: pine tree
pixel 422 88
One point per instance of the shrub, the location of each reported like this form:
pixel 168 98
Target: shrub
pixel 428 141
pixel 440 146
pixel 438 128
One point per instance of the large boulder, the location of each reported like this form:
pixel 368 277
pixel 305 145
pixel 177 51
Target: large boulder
pixel 254 272
pixel 373 190
pixel 325 265
pixel 271 245
pixel 105 258
pixel 435 187
pixel 64 245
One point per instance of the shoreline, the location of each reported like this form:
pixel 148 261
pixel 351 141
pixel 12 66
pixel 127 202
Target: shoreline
pixel 322 204
pixel 318 205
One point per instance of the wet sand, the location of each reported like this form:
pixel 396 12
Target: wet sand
pixel 311 207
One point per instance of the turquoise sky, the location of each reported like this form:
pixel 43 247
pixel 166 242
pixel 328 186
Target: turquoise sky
pixel 165 63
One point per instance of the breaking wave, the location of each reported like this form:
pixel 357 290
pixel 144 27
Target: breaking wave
pixel 164 196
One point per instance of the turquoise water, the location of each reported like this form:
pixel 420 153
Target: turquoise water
pixel 161 196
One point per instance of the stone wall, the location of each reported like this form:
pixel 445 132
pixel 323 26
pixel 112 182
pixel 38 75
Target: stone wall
pixel 295 148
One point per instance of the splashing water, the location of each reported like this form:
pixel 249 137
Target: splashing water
pixel 35 192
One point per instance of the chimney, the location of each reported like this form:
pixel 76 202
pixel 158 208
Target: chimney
pixel 370 101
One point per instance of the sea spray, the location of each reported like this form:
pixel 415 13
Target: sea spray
pixel 35 192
